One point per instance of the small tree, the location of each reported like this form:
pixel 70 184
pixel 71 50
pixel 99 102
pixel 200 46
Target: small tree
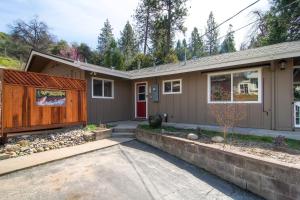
pixel 227 115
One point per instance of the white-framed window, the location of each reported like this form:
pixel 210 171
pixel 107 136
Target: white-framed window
pixel 239 86
pixel 172 86
pixel 102 88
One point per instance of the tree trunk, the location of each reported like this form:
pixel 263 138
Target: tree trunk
pixel 146 31
pixel 169 27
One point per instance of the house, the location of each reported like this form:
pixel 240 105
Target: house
pixel 265 80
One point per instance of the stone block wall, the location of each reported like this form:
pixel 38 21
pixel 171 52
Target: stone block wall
pixel 271 180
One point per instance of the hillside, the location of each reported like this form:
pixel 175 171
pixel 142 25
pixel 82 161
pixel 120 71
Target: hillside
pixel 9 63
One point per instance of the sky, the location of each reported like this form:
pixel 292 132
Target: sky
pixel 81 20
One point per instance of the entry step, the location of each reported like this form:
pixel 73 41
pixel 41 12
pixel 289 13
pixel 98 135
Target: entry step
pixel 123 135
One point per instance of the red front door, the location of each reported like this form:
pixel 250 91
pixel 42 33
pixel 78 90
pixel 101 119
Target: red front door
pixel 141 102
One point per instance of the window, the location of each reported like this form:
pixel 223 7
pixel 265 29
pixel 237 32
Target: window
pixel 102 88
pixel 172 86
pixel 242 86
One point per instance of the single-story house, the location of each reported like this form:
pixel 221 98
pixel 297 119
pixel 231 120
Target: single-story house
pixel 265 80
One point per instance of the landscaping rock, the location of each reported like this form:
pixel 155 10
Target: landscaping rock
pixel 89 136
pixel 40 149
pixel 192 136
pixel 4 156
pixel 24 143
pixel 14 147
pixel 217 139
pixel 28 144
pixel 25 149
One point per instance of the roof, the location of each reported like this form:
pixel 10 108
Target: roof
pixel 77 64
pixel 249 56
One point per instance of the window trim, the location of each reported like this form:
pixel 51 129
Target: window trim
pixel 166 81
pixel 231 72
pixel 103 97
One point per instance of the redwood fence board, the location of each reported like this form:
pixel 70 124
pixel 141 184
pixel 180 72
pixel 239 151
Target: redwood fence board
pixel 19 104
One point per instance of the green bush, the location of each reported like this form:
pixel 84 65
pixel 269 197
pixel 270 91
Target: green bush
pixel 9 63
pixel 90 127
pixel 155 121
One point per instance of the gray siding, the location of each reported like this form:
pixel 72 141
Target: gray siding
pixel 191 106
pixel 108 110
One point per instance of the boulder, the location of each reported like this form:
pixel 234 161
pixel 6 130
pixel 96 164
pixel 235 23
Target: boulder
pixel 192 136
pixel 40 149
pixel 89 136
pixel 4 156
pixel 12 147
pixel 24 143
pixel 25 149
pixel 217 139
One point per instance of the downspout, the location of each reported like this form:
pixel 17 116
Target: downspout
pixel 273 104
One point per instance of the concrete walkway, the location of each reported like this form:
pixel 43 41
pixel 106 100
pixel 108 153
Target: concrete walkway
pixel 23 162
pixel 131 170
pixel 247 131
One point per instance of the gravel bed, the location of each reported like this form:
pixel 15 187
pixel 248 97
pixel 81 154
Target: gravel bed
pixel 261 149
pixel 29 144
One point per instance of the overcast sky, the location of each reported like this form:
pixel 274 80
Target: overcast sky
pixel 81 20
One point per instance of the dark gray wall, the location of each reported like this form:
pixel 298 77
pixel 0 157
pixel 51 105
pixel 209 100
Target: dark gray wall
pixel 108 110
pixel 191 106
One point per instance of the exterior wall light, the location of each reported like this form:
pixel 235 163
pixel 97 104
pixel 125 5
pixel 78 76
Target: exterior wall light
pixel 282 64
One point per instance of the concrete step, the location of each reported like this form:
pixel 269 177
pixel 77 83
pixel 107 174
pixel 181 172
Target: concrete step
pixel 123 130
pixel 123 135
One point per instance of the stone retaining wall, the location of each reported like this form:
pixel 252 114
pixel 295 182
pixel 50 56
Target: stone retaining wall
pixel 271 180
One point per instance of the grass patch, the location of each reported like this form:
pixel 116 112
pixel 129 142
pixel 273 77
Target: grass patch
pixel 293 144
pixel 9 63
pixel 91 127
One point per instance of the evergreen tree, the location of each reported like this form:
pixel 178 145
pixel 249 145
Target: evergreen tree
pixel 128 44
pixel 145 17
pixel 228 44
pixel 176 10
pixel 179 51
pixel 105 38
pixel 212 33
pixel 279 24
pixel 196 44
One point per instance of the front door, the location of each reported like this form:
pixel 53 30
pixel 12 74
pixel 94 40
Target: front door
pixel 141 100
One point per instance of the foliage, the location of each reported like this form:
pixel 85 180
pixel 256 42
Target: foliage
pixel 105 38
pixel 211 36
pixel 128 44
pixel 9 63
pixel 155 121
pixel 144 19
pixel 196 46
pixel 159 20
pixel 12 49
pixel 141 60
pixel 228 45
pixel 279 24
pixel 227 115
pixel 171 58
pixel 34 34
pixel 91 127
pixel 293 144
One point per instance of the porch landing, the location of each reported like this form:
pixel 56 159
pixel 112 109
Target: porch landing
pixel 124 126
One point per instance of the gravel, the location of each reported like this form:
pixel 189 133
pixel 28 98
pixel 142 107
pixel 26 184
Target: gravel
pixel 29 144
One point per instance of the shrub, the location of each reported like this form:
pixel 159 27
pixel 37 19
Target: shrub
pixel 155 121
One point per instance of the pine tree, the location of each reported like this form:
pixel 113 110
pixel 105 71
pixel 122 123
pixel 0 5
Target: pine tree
pixel 128 44
pixel 144 17
pixel 105 38
pixel 176 10
pixel 228 44
pixel 211 42
pixel 196 44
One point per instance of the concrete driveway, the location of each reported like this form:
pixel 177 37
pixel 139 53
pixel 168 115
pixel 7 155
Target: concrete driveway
pixel 132 171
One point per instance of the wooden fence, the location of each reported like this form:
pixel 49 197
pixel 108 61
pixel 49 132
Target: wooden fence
pixel 33 101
